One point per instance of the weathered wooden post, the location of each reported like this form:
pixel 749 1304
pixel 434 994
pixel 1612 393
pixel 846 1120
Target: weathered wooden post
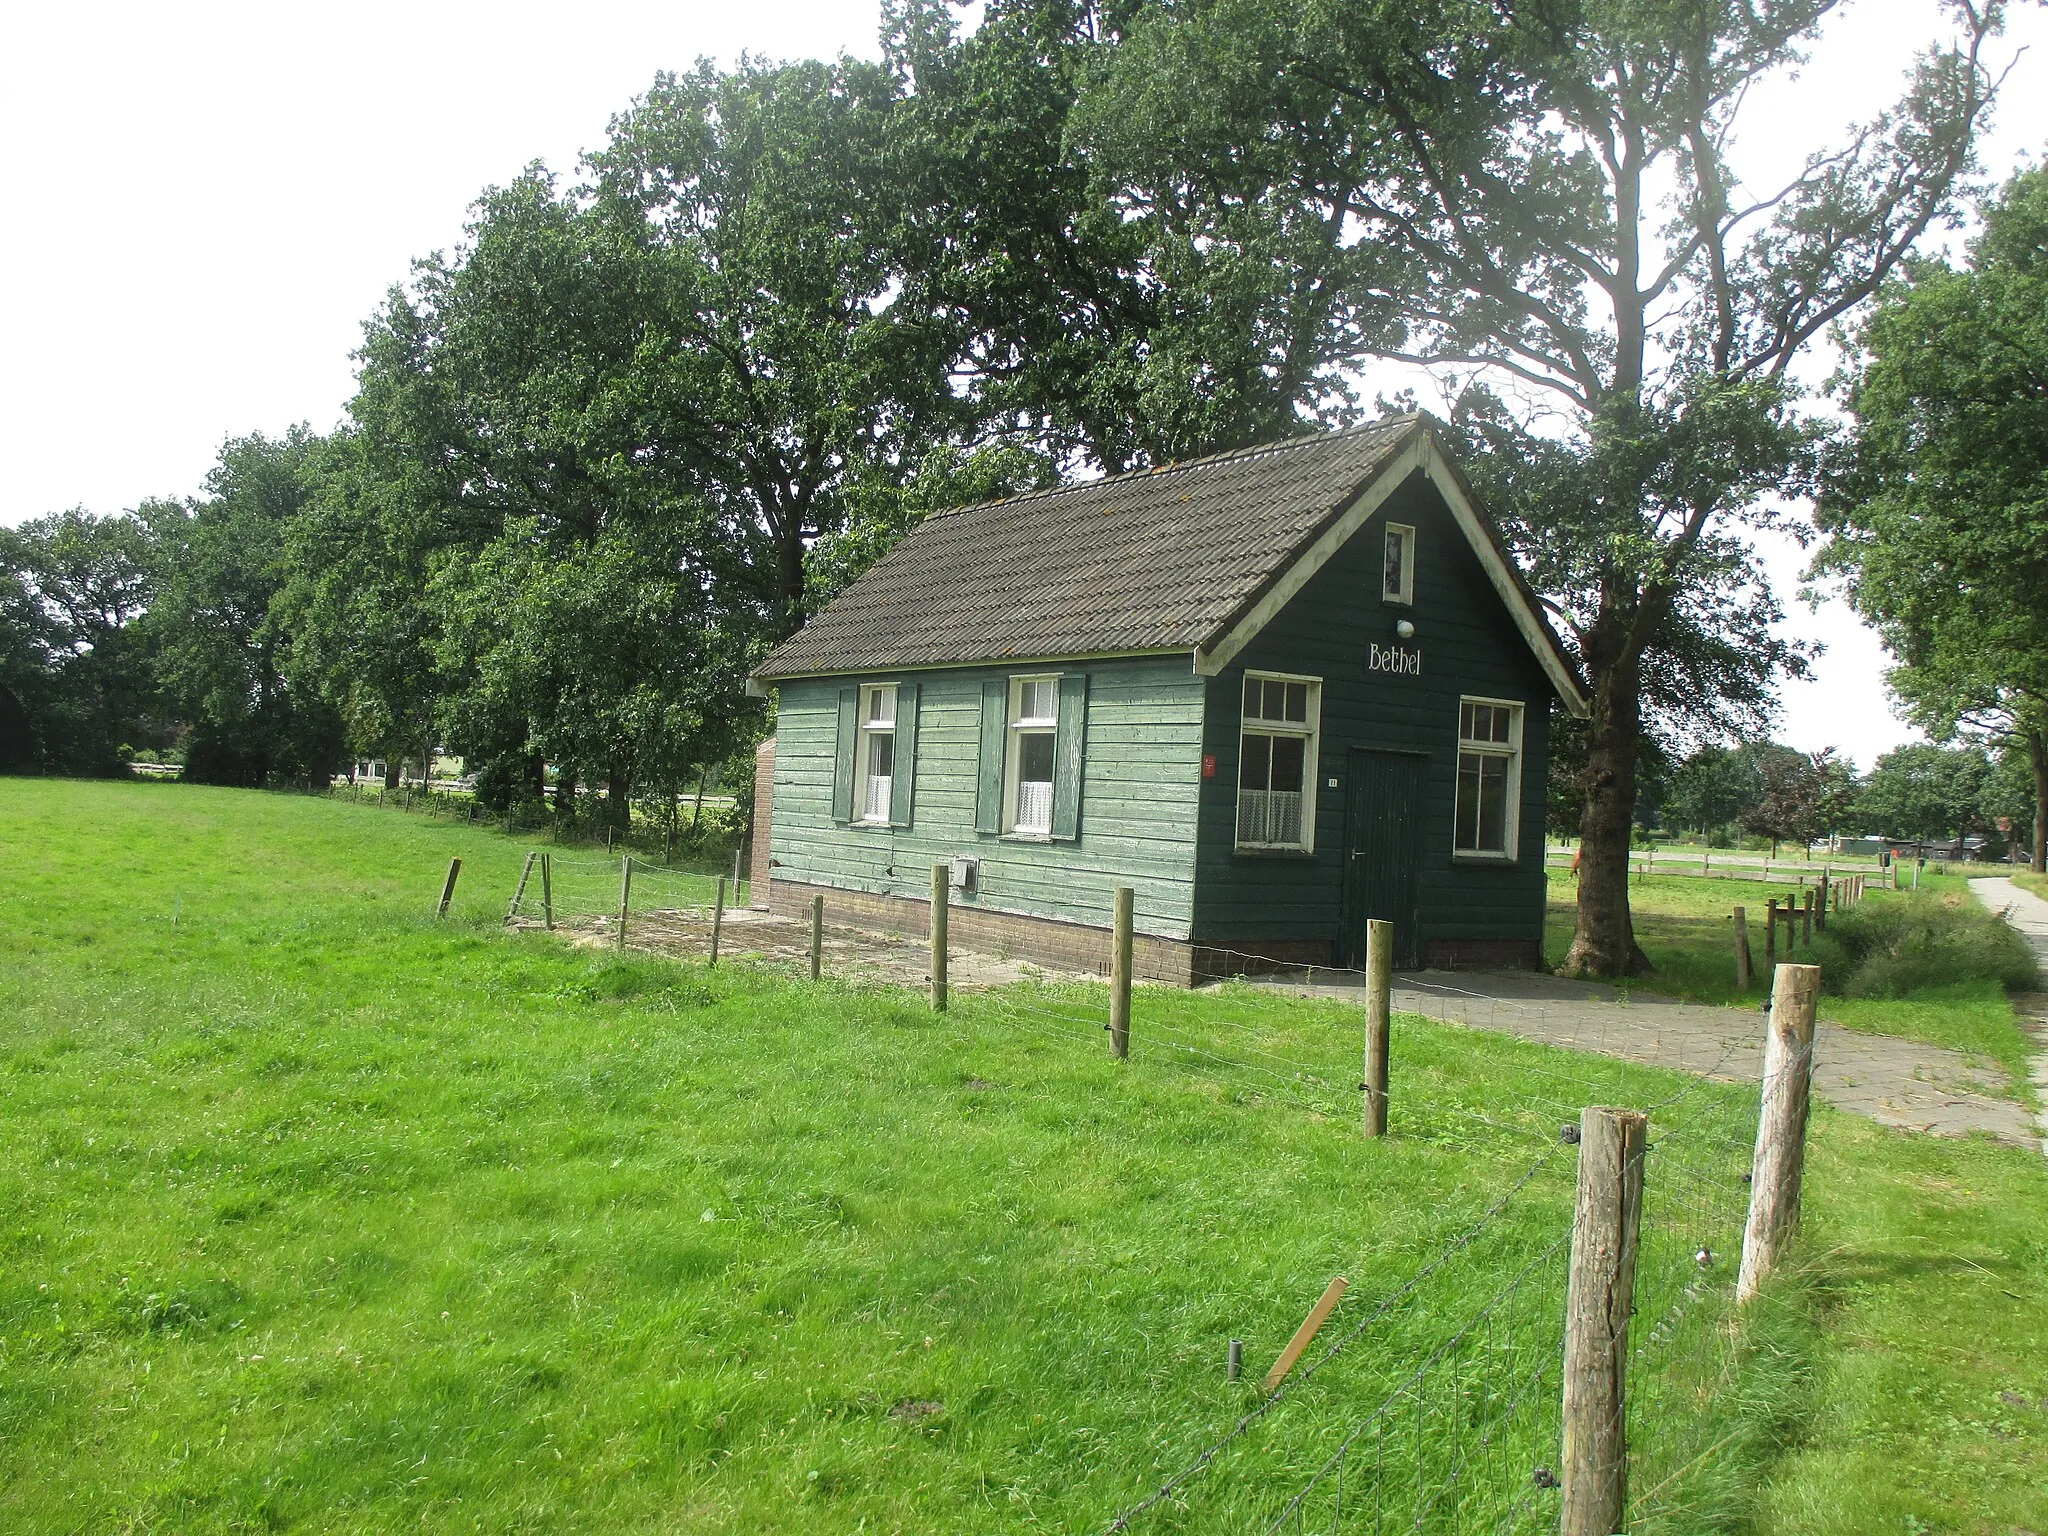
pixel 1781 1128
pixel 817 935
pixel 1742 966
pixel 1599 1298
pixel 1379 1002
pixel 717 919
pixel 1806 919
pixel 1820 906
pixel 448 887
pixel 941 874
pixel 625 896
pixel 1120 974
pixel 1770 932
pixel 519 891
pixel 607 837
pixel 735 877
pixel 547 890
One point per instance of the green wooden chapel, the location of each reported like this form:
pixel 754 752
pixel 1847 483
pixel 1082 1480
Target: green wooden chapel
pixel 1276 692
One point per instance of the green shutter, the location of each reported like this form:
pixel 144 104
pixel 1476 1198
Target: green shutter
pixel 1069 751
pixel 842 760
pixel 988 793
pixel 905 770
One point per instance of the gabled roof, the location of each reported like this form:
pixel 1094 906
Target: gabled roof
pixel 1190 557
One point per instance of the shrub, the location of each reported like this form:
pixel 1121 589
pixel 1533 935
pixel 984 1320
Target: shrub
pixel 1892 947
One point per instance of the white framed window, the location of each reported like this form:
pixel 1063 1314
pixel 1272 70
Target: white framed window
pixel 1276 761
pixel 1397 582
pixel 1027 770
pixel 1489 778
pixel 875 755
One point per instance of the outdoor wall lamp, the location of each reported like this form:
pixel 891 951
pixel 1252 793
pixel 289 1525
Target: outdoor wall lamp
pixel 1405 630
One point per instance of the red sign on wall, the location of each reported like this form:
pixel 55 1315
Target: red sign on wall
pixel 1208 765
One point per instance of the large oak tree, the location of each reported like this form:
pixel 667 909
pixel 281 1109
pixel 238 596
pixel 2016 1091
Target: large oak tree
pixel 1539 195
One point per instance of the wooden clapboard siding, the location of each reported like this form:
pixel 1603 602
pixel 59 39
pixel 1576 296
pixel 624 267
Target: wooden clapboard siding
pixel 1469 645
pixel 1139 792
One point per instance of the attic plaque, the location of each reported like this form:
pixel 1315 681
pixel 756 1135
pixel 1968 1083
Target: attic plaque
pixel 1393 658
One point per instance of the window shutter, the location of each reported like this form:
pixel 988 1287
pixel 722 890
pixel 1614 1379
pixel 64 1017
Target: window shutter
pixel 904 774
pixel 988 791
pixel 842 760
pixel 1069 751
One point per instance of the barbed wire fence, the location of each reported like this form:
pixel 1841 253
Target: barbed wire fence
pixel 1464 1366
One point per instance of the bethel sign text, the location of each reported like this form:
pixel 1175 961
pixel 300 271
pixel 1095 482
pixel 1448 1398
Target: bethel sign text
pixel 1392 658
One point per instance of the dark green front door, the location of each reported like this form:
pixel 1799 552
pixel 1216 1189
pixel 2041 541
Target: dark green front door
pixel 1383 853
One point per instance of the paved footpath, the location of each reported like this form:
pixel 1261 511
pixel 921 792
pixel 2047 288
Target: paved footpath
pixel 2029 914
pixel 1893 1081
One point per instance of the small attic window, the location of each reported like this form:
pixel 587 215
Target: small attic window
pixel 1398 582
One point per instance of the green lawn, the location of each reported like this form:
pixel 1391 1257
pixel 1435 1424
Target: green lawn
pixel 321 1215
pixel 1686 926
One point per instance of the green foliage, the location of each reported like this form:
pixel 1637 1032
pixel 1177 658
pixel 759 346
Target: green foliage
pixel 1937 504
pixel 71 587
pixel 1536 204
pixel 222 654
pixel 1913 940
pixel 1924 792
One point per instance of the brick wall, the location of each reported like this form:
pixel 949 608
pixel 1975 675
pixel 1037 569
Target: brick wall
pixel 764 818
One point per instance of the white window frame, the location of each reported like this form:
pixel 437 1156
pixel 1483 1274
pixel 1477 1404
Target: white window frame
pixel 1015 728
pixel 1511 750
pixel 1309 731
pixel 1405 593
pixel 869 729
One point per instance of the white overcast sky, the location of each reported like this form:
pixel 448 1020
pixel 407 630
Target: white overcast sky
pixel 209 199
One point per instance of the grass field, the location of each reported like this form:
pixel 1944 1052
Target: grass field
pixel 321 1215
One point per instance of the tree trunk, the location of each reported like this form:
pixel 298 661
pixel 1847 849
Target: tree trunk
pixel 2037 754
pixel 1604 943
pixel 618 800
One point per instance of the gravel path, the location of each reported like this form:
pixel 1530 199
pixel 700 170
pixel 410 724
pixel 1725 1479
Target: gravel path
pixel 2029 914
pixel 1893 1081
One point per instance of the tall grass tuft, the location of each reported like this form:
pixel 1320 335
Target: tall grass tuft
pixel 1926 939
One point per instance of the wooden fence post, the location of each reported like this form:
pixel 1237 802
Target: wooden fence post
pixel 817 935
pixel 547 890
pixel 625 896
pixel 1379 996
pixel 1770 932
pixel 448 887
pixel 1120 974
pixel 1806 919
pixel 941 874
pixel 1820 906
pixel 735 877
pixel 1599 1298
pixel 718 920
pixel 1305 1335
pixel 607 837
pixel 1742 965
pixel 1781 1128
pixel 519 891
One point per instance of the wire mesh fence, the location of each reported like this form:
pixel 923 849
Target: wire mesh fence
pixel 1433 1402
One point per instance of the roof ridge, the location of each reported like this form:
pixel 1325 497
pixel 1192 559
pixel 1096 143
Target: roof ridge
pixel 1177 466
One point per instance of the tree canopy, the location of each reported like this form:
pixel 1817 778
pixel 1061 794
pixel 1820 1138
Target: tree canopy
pixel 1937 503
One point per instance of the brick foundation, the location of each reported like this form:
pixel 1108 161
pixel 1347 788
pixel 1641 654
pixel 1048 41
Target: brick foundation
pixel 1483 954
pixel 1082 948
pixel 1042 940
pixel 758 875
